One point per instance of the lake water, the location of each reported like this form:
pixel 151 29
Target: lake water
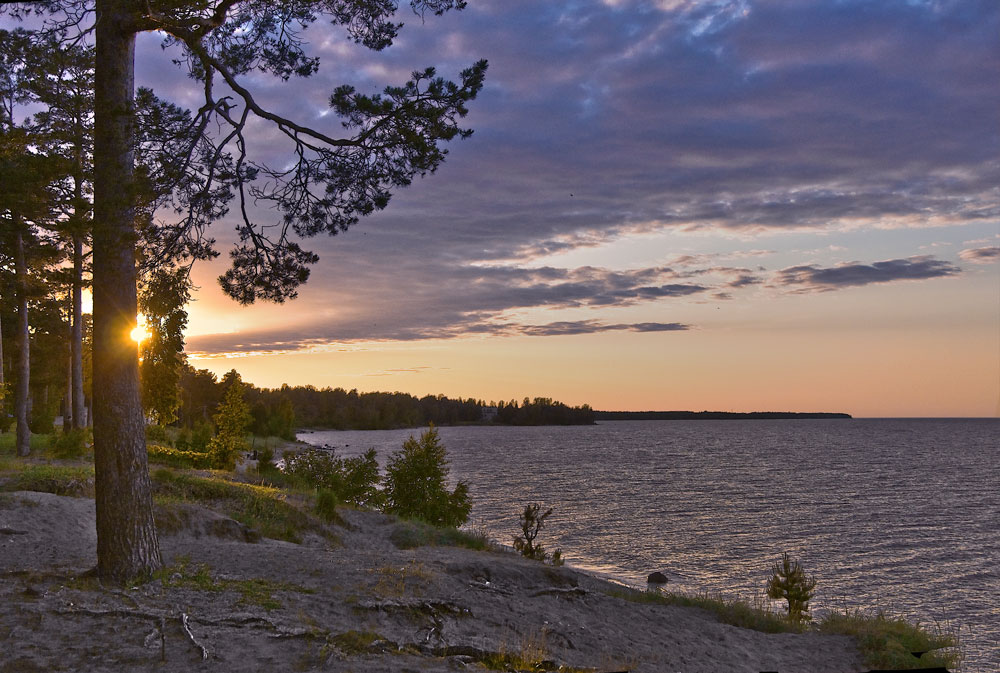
pixel 899 514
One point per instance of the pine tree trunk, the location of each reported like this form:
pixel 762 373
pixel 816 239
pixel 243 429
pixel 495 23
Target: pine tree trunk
pixel 76 342
pixel 23 441
pixel 127 545
pixel 68 421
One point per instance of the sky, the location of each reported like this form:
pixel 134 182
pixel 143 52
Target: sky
pixel 736 205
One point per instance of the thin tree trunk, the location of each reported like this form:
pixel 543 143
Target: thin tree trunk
pixel 23 441
pixel 127 545
pixel 69 422
pixel 76 341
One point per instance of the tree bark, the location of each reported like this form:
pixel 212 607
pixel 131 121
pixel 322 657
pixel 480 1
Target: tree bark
pixel 23 441
pixel 127 546
pixel 79 410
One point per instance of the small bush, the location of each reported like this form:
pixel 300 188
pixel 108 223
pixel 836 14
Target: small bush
pixel 158 434
pixel 70 445
pixel 415 484
pixel 789 582
pixel 326 506
pixel 352 481
pixel 531 524
pixel 413 534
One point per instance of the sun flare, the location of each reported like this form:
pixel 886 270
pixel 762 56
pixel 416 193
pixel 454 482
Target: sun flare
pixel 139 333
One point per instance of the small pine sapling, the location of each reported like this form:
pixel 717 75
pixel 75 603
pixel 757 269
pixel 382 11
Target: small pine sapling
pixel 789 582
pixel 531 524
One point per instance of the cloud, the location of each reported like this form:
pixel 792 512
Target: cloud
pixel 986 255
pixel 812 278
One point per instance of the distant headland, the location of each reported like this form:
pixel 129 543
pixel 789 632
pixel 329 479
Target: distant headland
pixel 707 415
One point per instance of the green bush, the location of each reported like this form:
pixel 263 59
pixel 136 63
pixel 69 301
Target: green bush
pixel 531 524
pixel 415 484
pixel 352 481
pixel 789 582
pixel 158 434
pixel 70 445
pixel 231 421
pixel 164 455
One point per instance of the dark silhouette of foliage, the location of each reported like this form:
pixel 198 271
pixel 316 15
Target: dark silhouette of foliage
pixel 415 484
pixel 353 481
pixel 789 582
pixel 532 523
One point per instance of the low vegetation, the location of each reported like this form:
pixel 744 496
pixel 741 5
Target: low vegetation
pixel 888 643
pixel 409 534
pixel 531 525
pixel 256 591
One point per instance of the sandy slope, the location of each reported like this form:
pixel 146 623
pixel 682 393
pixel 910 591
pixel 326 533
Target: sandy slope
pixel 433 608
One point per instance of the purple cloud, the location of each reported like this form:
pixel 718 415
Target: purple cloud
pixel 812 278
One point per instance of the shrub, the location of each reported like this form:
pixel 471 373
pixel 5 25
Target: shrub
pixel 353 481
pixel 531 524
pixel 164 455
pixel 789 582
pixel 158 433
pixel 70 445
pixel 232 421
pixel 415 484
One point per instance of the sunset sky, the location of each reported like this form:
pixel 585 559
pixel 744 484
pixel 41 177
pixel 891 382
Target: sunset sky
pixel 786 205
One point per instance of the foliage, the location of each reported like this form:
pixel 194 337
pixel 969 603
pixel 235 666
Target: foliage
pixel 162 298
pixel 71 444
pixel 353 481
pixel 195 439
pixel 165 455
pixel 258 507
pixel 789 582
pixel 413 534
pixel 254 591
pixel 58 479
pixel 231 422
pixel 415 484
pixel 531 524
pixel 889 643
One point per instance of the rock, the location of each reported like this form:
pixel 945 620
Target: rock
pixel 657 578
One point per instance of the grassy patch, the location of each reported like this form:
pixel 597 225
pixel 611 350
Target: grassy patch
pixel 890 642
pixel 165 455
pixel 261 508
pixel 397 581
pixel 356 642
pixel 39 443
pixel 755 615
pixel 530 653
pixel 409 534
pixel 77 481
pixel 255 591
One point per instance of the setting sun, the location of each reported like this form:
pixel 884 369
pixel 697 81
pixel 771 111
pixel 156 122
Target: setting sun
pixel 139 333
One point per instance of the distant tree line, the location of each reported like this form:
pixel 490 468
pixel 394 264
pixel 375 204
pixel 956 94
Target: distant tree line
pixel 279 411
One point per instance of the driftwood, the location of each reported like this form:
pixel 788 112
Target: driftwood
pixel 187 630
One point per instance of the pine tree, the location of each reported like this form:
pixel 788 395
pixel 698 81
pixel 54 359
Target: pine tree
pixel 789 582
pixel 231 422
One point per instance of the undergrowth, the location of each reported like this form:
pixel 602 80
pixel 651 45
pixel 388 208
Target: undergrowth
pixel 885 642
pixel 261 508
pixel 409 534
pixel 254 591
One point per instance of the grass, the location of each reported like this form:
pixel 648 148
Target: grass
pixel 261 508
pixel 409 534
pixel 885 642
pixel 755 614
pixel 72 480
pixel 888 642
pixel 39 443
pixel 356 642
pixel 255 591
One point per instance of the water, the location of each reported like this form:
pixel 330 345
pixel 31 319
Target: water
pixel 898 514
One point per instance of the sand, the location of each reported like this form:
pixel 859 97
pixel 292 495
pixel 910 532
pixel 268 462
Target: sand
pixel 423 609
